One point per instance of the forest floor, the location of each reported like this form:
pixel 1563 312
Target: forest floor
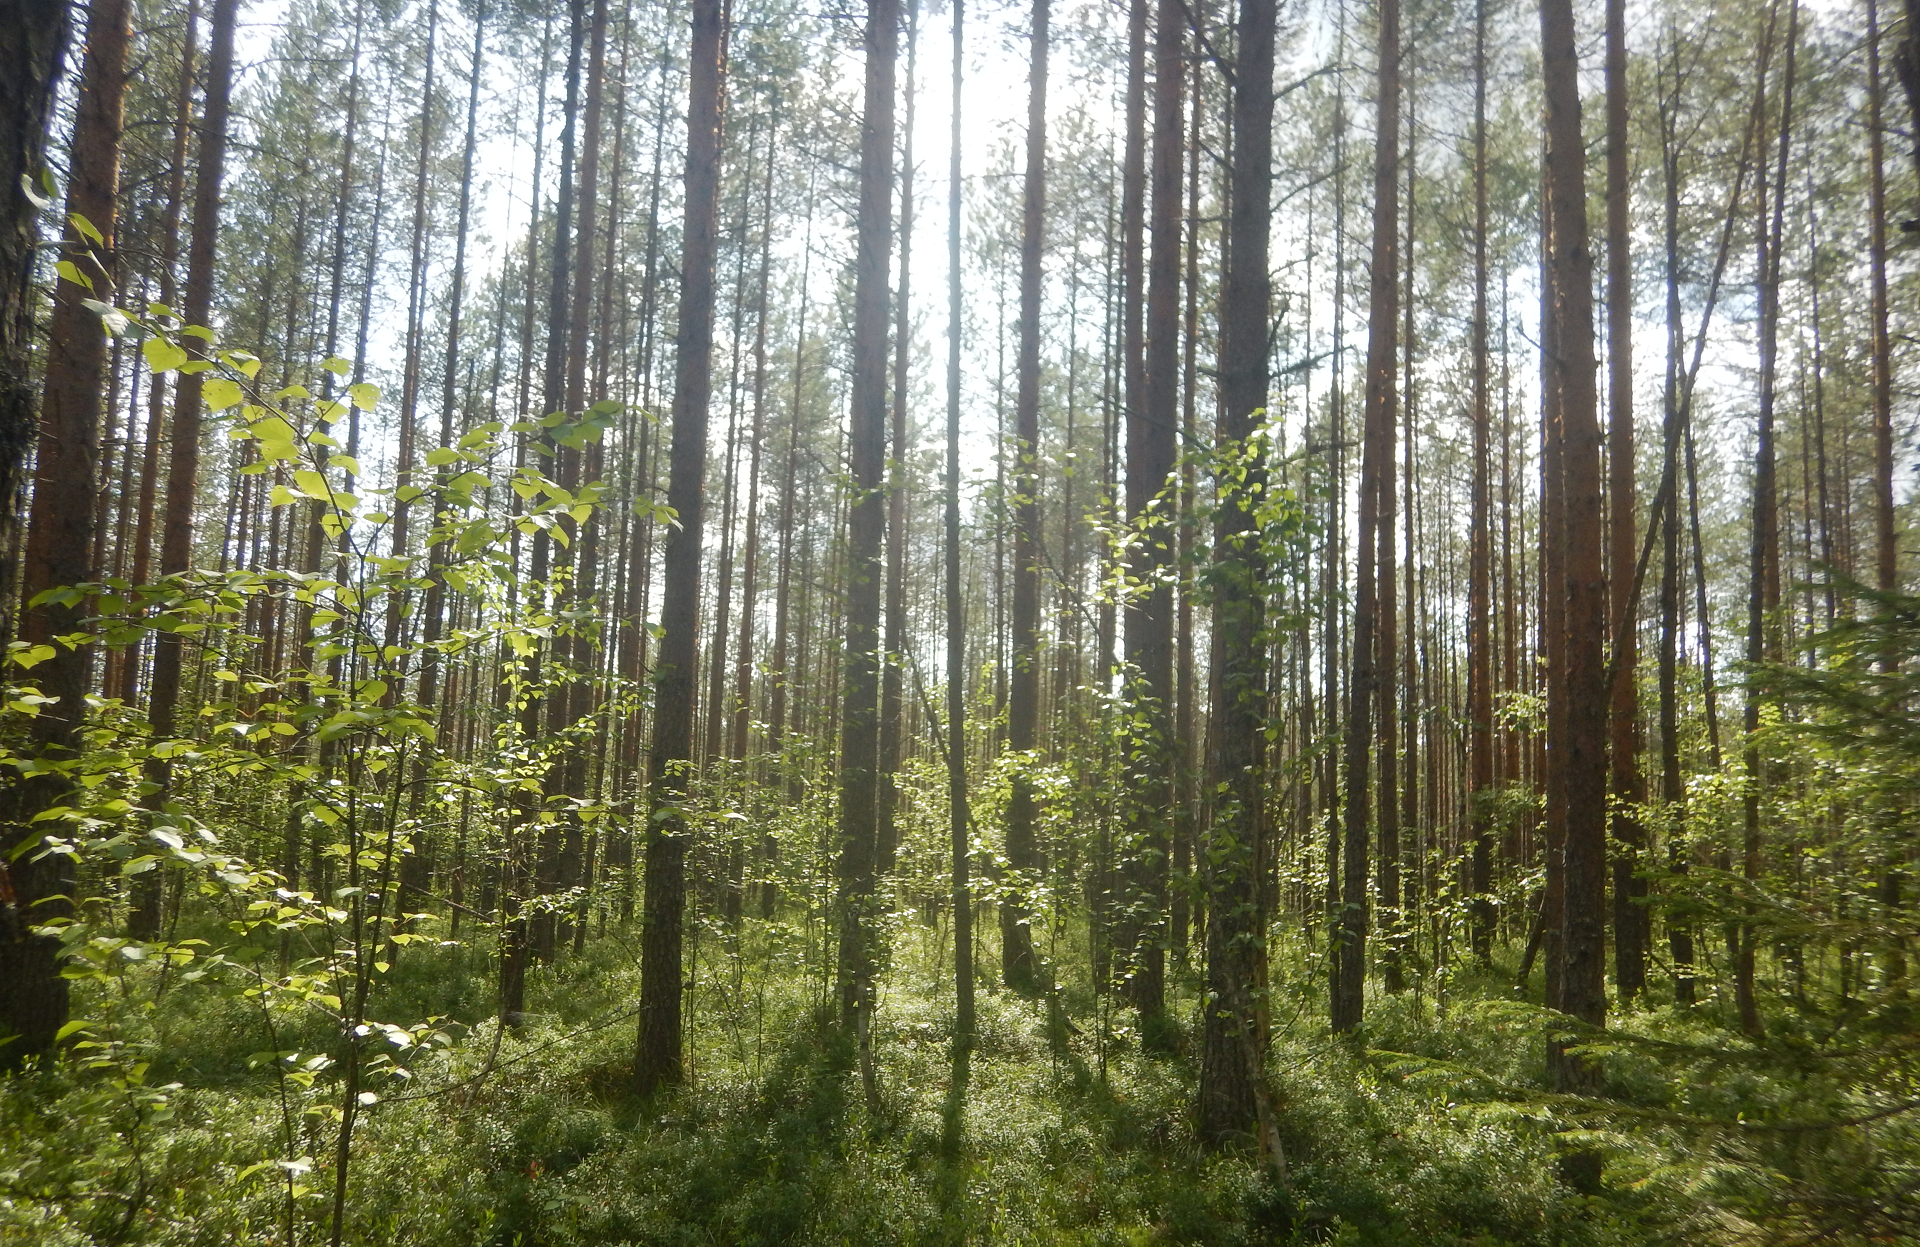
pixel 1060 1131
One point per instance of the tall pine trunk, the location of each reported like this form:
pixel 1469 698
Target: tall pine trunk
pixel 892 725
pixel 59 545
pixel 1023 701
pixel 1583 584
pixel 1233 1091
pixel 1632 922
pixel 866 524
pixel 1376 475
pixel 658 1061
pixel 1480 537
pixel 1152 446
pixel 183 469
pixel 1763 590
pixel 959 833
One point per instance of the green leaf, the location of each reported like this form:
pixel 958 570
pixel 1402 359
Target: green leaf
pixel 365 395
pixel 337 366
pixel 313 484
pixel 85 229
pixel 28 656
pixel 71 272
pixel 221 393
pixel 162 355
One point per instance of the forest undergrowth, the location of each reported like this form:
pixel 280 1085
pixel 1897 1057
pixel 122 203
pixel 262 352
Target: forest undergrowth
pixel 1438 1128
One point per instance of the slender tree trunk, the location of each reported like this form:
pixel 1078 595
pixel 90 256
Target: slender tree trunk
pixel 892 728
pixel 1632 923
pixel 1480 781
pixel 750 567
pixel 1376 475
pixel 176 548
pixel 1233 1091
pixel 1886 552
pixel 958 829
pixel 516 935
pixel 157 392
pixel 658 1062
pixel 34 35
pixel 435 609
pixel 1763 595
pixel 1152 448
pixel 59 539
pixel 1023 703
pixel 414 355
pixel 1673 785
pixel 576 700
pixel 778 677
pixel 1387 637
pixel 866 524
pixel 1186 749
pixel 1583 588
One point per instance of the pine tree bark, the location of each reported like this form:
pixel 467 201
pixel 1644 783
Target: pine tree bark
pixel 1376 475
pixel 1234 856
pixel 1673 786
pixel 1886 553
pixel 1632 922
pixel 34 34
pixel 142 561
pixel 1152 450
pixel 59 543
pixel 1387 635
pixel 1763 591
pixel 892 726
pixel 435 606
pixel 1480 537
pixel 750 566
pixel 1023 699
pixel 658 1061
pixel 959 831
pixel 1583 587
pixel 183 468
pixel 866 524
pixel 414 361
